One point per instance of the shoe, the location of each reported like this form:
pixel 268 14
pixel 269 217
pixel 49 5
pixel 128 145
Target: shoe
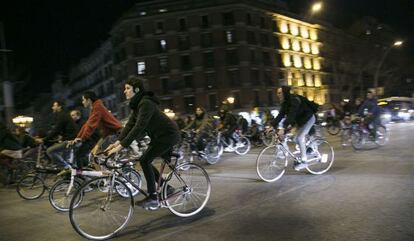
pixel 229 149
pixel 148 203
pixel 300 166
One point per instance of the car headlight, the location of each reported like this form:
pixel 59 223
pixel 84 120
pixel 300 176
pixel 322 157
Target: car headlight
pixel 386 116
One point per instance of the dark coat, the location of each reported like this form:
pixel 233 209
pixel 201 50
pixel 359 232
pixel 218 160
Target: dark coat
pixel 7 140
pixel 294 110
pixel 64 126
pixel 147 118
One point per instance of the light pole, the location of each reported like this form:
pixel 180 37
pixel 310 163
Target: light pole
pixel 396 44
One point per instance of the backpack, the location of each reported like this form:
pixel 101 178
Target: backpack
pixel 311 104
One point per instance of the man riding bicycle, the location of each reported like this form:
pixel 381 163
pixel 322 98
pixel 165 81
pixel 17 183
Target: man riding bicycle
pixel 228 126
pixel 201 125
pixel 147 118
pixel 295 110
pixel 371 113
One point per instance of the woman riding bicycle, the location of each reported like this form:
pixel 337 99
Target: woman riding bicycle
pixel 147 118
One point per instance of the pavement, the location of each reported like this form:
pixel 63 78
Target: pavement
pixel 367 195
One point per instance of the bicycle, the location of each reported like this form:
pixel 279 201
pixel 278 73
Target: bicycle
pixel 100 197
pixel 272 161
pixel 361 135
pixel 188 149
pixel 241 147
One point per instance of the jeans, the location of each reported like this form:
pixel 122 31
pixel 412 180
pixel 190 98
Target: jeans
pixel 301 134
pixel 56 151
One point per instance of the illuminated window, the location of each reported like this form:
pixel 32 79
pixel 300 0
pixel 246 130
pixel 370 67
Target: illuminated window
pixel 310 96
pixel 286 60
pixel 307 62
pixel 318 82
pixel 299 79
pixel 295 45
pixel 289 77
pixel 315 48
pixel 285 42
pixel 309 80
pixel 294 29
pixel 316 64
pixel 313 35
pixel 283 27
pixel 305 47
pixel 141 68
pixel 304 32
pixel 297 61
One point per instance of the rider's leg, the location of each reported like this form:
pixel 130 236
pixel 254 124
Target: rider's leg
pixel 301 134
pixel 55 153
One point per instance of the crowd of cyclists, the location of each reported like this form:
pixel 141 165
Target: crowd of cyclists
pixel 102 130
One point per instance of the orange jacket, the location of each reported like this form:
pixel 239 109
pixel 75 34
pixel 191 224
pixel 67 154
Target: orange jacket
pixel 100 118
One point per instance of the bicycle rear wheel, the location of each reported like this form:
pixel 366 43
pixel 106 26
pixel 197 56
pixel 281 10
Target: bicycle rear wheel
pixel 271 163
pixel 382 135
pixel 192 188
pixel 132 175
pixel 213 152
pixel 242 146
pixel 103 212
pixel 31 187
pixel 357 140
pixel 58 196
pixel 320 156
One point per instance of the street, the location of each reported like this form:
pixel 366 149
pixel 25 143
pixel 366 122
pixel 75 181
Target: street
pixel 367 195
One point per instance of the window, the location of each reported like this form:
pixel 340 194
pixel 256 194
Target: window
pixel 263 22
pixel 256 98
pixel 231 57
pixel 270 97
pixel 212 100
pixel 185 62
pixel 205 21
pixel 162 45
pixel 210 80
pixel 206 40
pixel 165 84
pixel 264 39
pixel 228 18
pixel 138 32
pixel 251 37
pixel 266 59
pixel 139 49
pixel 249 19
pixel 188 82
pixel 208 59
pixel 183 42
pixel 268 78
pixel 254 77
pixel 274 26
pixel 164 65
pixel 159 27
pixel 230 36
pixel 189 104
pixel 234 77
pixel 253 56
pixel 141 68
pixel 182 24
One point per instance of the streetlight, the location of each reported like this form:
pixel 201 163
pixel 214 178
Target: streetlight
pixel 316 7
pixel 396 44
pixel 23 121
pixel 230 100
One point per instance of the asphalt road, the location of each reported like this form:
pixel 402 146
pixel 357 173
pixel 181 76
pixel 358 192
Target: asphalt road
pixel 367 195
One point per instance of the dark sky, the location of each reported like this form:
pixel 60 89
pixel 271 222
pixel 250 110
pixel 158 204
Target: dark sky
pixel 47 36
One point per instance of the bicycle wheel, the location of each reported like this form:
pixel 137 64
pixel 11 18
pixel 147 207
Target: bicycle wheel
pixel 268 138
pixel 357 140
pixel 132 175
pixel 271 163
pixel 320 156
pixel 333 128
pixel 192 189
pixel 213 152
pixel 100 215
pixel 242 146
pixel 346 137
pixel 58 196
pixel 31 187
pixel 382 135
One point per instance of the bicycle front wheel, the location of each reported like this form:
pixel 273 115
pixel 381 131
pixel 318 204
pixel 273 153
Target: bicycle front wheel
pixel 59 197
pixel 320 156
pixel 382 135
pixel 31 187
pixel 103 212
pixel 271 163
pixel 187 190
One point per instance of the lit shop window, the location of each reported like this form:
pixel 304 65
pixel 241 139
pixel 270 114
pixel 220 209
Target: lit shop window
pixel 315 48
pixel 283 27
pixel 141 67
pixel 305 47
pixel 313 35
pixel 297 61
pixel 295 45
pixel 294 29
pixel 285 42
pixel 304 32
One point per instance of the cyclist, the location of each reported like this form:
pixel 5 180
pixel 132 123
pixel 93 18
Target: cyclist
pixel 371 112
pixel 297 111
pixel 147 118
pixel 228 127
pixel 99 119
pixel 10 149
pixel 201 125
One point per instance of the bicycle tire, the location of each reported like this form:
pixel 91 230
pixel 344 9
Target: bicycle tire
pixel 31 187
pixel 243 150
pixel 60 187
pixel 271 163
pixel 324 156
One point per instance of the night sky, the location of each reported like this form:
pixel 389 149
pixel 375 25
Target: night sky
pixel 48 36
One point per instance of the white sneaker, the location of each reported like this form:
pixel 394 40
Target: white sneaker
pixel 228 149
pixel 300 166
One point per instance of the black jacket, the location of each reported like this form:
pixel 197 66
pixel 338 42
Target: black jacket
pixel 147 118
pixel 7 140
pixel 63 126
pixel 294 110
pixel 229 121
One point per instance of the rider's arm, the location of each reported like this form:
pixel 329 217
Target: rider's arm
pixel 129 125
pixel 293 110
pixel 146 110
